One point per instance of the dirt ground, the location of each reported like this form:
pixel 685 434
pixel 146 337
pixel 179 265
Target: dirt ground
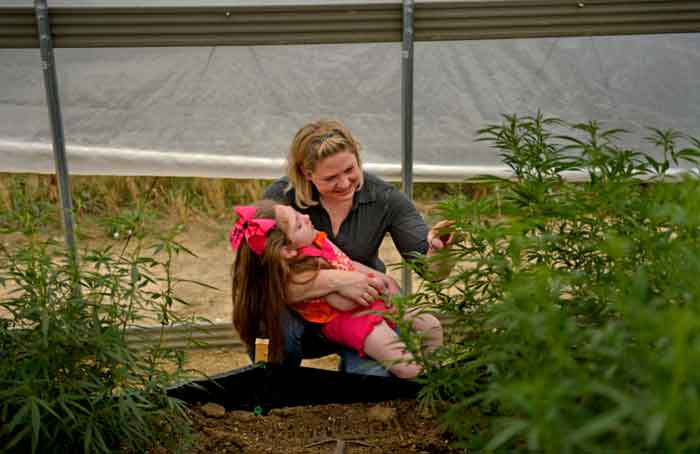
pixel 394 426
pixel 397 426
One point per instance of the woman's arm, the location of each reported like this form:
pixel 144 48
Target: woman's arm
pixel 407 228
pixel 441 237
pixel 389 285
pixel 356 286
pixel 411 235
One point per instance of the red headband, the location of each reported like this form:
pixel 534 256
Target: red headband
pixel 253 230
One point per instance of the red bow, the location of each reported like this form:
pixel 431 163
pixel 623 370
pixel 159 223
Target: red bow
pixel 253 230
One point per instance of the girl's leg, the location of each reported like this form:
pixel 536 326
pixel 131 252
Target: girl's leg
pixel 430 326
pixel 383 345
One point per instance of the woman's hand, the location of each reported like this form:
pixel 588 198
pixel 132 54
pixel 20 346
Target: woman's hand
pixel 389 286
pixel 360 288
pixel 439 237
pixel 356 286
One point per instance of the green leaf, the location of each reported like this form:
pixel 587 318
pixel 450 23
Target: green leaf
pixel 655 426
pixel 511 428
pixel 18 418
pixel 607 422
pixel 87 438
pixel 36 424
pixel 18 438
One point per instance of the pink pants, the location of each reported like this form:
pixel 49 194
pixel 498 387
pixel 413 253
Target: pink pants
pixel 352 328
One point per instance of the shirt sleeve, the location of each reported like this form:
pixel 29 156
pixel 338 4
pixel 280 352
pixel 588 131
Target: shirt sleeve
pixel 276 191
pixel 407 228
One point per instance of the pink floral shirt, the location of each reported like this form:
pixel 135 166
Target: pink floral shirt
pixel 317 310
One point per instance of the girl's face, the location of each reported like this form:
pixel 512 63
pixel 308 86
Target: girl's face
pixel 337 177
pixel 297 227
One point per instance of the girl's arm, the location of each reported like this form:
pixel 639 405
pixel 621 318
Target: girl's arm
pixel 341 303
pixel 356 286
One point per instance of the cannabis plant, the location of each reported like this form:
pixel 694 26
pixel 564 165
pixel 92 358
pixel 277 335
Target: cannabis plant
pixel 69 382
pixel 575 307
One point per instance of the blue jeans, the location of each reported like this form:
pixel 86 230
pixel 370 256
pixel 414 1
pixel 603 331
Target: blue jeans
pixel 303 339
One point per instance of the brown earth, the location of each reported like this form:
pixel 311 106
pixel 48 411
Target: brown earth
pixel 397 426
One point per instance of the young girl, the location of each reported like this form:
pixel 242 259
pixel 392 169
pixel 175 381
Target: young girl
pixel 276 245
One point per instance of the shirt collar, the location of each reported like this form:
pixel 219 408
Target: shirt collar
pixel 367 193
pixel 320 238
pixel 320 247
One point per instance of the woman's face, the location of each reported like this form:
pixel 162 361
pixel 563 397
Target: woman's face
pixel 337 177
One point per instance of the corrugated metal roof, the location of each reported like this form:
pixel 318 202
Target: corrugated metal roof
pixel 156 25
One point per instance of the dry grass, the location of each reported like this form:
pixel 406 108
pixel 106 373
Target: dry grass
pixel 5 198
pixel 100 196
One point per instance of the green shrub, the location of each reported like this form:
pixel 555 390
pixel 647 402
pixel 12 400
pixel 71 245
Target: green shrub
pixel 68 380
pixel 576 306
pixel 25 210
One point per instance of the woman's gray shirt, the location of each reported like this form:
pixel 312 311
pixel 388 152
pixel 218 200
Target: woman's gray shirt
pixel 378 209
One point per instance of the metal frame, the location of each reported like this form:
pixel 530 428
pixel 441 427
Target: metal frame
pixel 48 65
pixel 346 23
pixel 407 119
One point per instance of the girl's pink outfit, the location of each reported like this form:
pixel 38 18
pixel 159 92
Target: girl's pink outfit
pixel 346 328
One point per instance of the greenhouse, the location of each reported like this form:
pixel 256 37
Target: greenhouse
pixel 564 140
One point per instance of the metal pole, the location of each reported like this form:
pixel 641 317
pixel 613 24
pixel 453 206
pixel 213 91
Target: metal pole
pixel 56 120
pixel 407 117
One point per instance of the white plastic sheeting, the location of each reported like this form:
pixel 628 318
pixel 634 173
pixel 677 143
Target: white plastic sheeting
pixel 232 111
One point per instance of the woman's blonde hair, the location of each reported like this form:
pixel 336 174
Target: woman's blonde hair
pixel 259 286
pixel 314 142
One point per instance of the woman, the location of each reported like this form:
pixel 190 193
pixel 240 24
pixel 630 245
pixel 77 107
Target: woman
pixel 356 209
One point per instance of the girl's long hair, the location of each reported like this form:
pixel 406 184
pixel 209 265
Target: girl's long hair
pixel 259 286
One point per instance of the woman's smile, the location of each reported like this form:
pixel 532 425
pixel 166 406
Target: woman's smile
pixel 351 188
pixel 337 176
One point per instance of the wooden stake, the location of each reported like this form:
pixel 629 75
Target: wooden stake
pixel 261 346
